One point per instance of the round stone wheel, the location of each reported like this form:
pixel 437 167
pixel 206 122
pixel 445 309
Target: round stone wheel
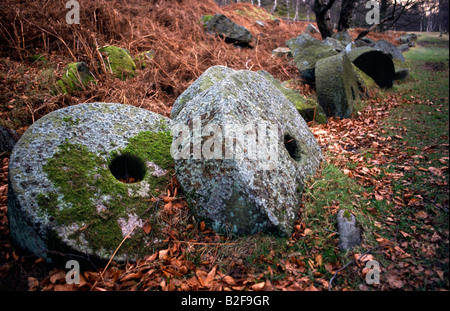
pixel 336 85
pixel 81 179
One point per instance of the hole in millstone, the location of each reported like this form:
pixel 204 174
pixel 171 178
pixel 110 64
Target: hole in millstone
pixel 128 168
pixel 292 147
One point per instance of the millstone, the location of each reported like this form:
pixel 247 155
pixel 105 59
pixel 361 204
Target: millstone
pixel 337 86
pixel 81 178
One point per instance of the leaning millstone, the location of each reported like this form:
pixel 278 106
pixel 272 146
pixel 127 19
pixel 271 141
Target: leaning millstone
pixel 401 73
pixel 306 51
pixel 226 28
pixel 68 172
pixel 336 85
pixel 349 235
pixel 388 48
pixel 376 64
pixel 242 154
pixel 308 108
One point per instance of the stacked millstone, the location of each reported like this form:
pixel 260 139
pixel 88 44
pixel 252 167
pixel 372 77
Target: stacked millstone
pixel 81 178
pixel 243 152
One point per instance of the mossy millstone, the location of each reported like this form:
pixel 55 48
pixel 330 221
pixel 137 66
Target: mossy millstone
pixel 337 86
pixel 245 188
pixel 66 176
pixel 76 76
pixel 376 64
pixel 119 61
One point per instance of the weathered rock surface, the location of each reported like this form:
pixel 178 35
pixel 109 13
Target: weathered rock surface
pixel 281 51
pixel 65 194
pixel 334 43
pixel 226 28
pixel 306 51
pixel 311 29
pixel 349 235
pixel 342 36
pixel 388 48
pixel 118 61
pixel 242 188
pixel 336 85
pixel 376 64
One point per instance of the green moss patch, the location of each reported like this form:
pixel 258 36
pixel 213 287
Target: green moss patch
pixel 119 61
pixel 92 200
pixel 76 76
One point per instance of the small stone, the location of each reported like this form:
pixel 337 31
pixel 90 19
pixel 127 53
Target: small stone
pixel 349 235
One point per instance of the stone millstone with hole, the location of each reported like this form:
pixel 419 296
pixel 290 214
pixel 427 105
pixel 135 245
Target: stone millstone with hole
pixel 263 152
pixel 376 64
pixel 336 85
pixel 81 179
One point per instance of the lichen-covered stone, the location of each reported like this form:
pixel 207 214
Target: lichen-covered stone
pixel 210 77
pixel 65 195
pixel 376 64
pixel 226 28
pixel 118 61
pixel 336 85
pixel 281 51
pixel 234 192
pixel 388 48
pixel 76 76
pixel 308 108
pixel 349 234
pixel 334 43
pixel 306 51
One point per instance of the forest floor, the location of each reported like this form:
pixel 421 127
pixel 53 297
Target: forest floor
pixel 388 164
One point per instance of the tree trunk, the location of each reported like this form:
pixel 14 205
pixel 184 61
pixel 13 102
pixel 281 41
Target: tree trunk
pixel 274 7
pixel 287 8
pixel 346 14
pixel 321 8
pixel 296 10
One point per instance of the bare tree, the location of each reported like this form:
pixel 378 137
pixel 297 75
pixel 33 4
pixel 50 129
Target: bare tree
pixel 296 9
pixel 321 9
pixel 346 14
pixel 274 7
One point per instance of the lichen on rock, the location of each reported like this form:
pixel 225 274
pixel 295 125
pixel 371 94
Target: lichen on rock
pixel 65 193
pixel 248 187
